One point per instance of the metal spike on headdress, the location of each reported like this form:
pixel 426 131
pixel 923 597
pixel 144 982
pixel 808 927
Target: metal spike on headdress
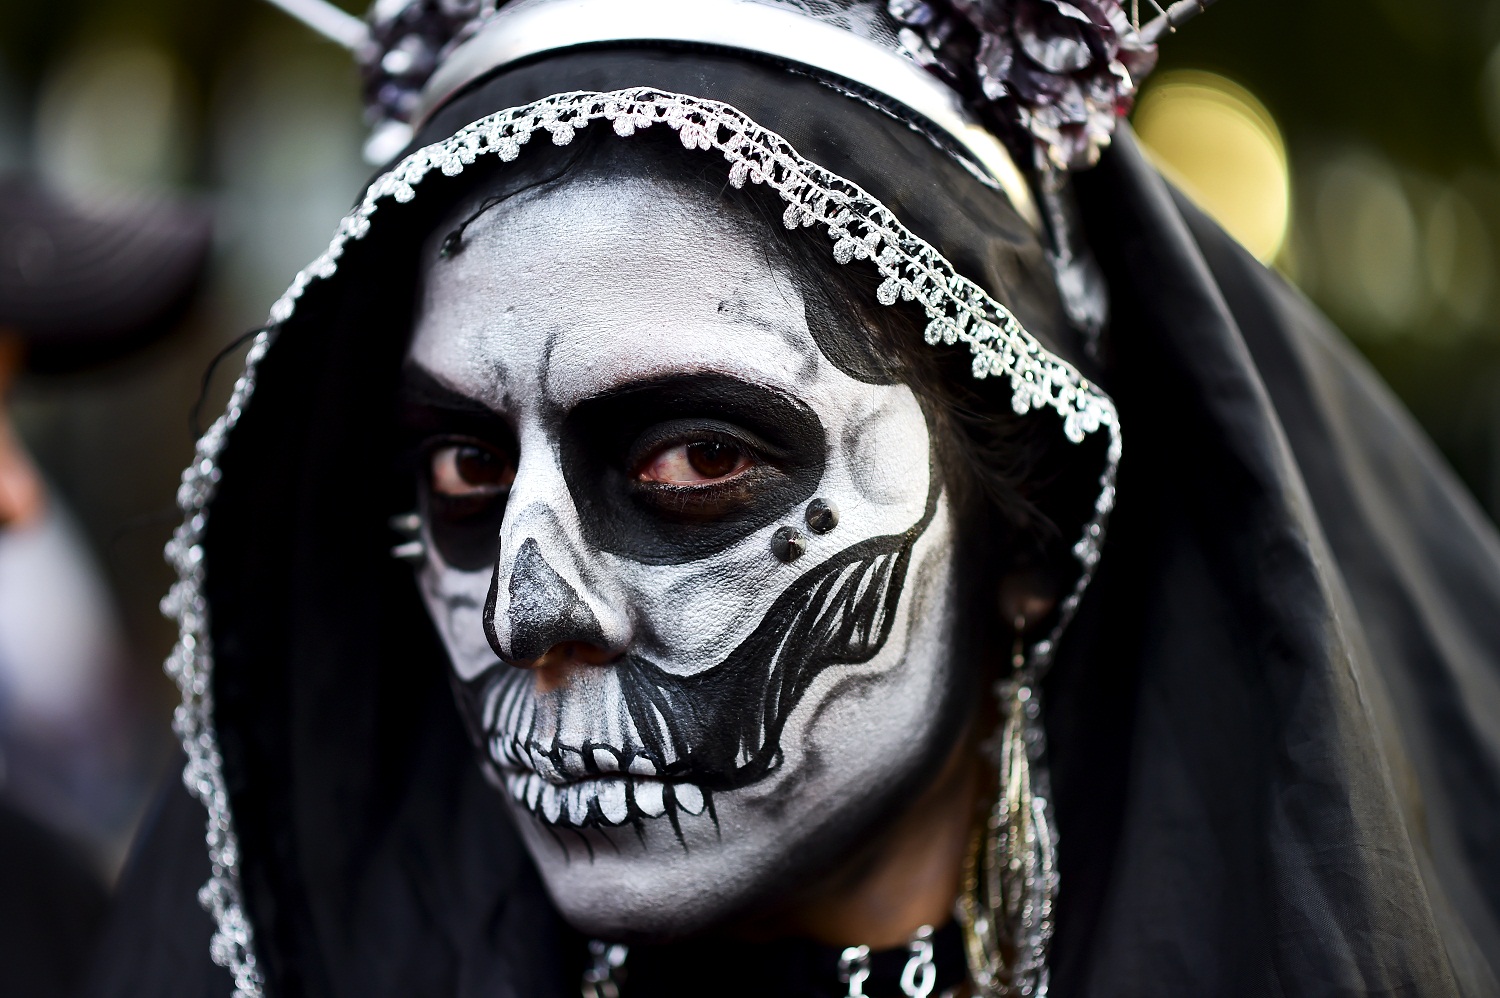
pixel 338 26
pixel 1170 19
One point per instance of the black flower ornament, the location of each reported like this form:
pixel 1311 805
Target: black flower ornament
pixel 1064 71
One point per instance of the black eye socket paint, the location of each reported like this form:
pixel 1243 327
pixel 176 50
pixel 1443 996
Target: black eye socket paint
pixel 686 431
pixel 603 440
pixel 465 530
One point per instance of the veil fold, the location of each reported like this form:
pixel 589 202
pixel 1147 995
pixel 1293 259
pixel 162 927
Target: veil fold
pixel 1299 611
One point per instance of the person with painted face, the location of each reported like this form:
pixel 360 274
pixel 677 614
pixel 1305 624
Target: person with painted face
pixel 742 388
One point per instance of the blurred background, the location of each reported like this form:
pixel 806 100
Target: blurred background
pixel 228 108
pixel 1352 144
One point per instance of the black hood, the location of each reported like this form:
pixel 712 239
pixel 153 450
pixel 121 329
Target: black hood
pixel 1274 723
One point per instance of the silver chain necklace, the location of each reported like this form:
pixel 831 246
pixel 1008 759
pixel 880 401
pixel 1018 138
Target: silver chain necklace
pixel 918 977
pixel 606 969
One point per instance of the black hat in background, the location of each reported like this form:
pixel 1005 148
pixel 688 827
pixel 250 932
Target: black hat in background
pixel 83 282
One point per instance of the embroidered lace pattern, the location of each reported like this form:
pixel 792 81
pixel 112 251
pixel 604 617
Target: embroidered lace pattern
pixel 859 229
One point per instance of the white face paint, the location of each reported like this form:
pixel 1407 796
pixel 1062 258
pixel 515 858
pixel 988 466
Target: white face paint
pixel 623 404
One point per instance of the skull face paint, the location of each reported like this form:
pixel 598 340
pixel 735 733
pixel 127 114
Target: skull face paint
pixel 623 402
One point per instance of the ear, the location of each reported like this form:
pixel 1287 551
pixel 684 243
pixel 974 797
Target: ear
pixel 1027 596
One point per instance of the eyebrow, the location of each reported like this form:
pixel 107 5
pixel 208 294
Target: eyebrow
pixel 420 388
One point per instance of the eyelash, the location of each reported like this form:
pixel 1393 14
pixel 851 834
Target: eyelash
pixel 685 432
pixel 689 440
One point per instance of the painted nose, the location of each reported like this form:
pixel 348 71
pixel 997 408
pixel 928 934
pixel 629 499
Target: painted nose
pixel 547 616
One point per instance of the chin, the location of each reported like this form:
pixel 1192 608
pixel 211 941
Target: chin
pixel 652 882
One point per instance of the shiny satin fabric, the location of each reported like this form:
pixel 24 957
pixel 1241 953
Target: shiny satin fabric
pixel 1274 725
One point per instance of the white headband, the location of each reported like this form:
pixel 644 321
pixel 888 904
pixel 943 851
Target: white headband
pixel 531 28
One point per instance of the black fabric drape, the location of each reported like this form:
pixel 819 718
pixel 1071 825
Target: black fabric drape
pixel 1307 602
pixel 1275 724
pixel 52 904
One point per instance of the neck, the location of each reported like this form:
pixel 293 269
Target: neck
pixel 909 876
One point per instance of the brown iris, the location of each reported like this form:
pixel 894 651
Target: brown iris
pixel 463 470
pixel 713 458
pixel 696 463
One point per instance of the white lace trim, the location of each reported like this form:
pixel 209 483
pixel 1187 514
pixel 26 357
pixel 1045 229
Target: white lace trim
pixel 859 227
pixel 191 666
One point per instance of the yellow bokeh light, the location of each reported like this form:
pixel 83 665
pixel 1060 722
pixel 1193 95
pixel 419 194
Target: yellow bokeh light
pixel 1220 145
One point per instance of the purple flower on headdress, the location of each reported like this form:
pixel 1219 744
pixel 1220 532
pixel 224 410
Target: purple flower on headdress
pixel 1068 69
pixel 408 39
pixel 1063 71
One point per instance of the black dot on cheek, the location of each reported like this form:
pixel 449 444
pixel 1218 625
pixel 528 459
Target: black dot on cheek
pixel 822 516
pixel 788 544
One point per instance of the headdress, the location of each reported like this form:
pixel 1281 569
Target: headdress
pixel 1049 80
pixel 993 83
pixel 1064 72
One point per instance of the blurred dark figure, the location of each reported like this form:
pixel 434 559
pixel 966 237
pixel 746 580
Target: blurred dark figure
pixel 80 285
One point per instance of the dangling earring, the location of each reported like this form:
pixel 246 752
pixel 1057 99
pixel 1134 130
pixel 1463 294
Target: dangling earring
pixel 412 549
pixel 1010 873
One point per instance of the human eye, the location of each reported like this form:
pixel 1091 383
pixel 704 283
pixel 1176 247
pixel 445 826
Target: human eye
pixel 466 475
pixel 696 470
pixel 695 463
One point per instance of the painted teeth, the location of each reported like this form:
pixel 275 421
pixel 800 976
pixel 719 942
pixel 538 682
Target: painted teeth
pixel 648 797
pixel 612 801
pixel 552 800
pixel 689 798
pixel 505 752
pixel 571 803
pixel 572 762
pixel 542 764
pixel 556 785
pixel 533 790
pixel 577 805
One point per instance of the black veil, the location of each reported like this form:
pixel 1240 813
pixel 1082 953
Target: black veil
pixel 1274 724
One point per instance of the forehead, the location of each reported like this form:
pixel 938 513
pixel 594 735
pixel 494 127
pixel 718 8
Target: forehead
pixel 567 292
